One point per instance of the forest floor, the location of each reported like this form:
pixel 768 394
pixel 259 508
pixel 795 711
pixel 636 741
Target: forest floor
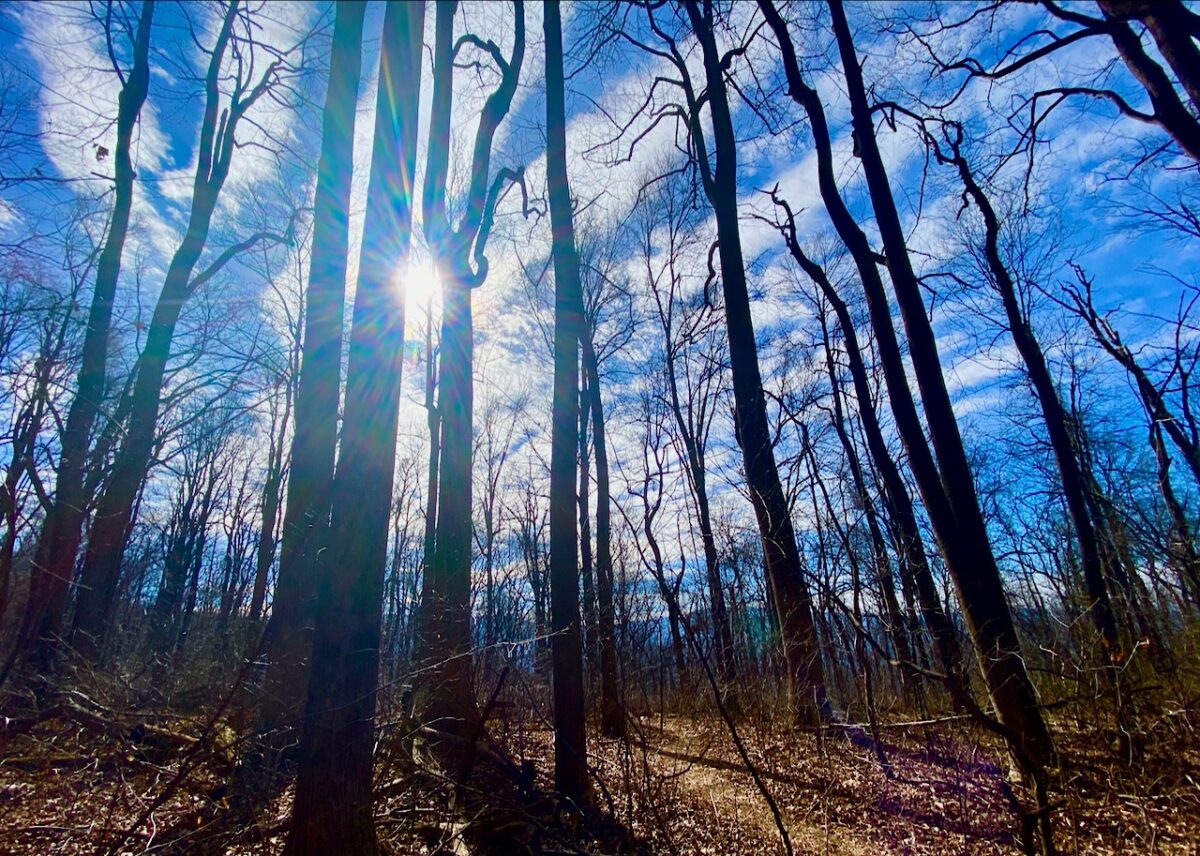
pixel 87 778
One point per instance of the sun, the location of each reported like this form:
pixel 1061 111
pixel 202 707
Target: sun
pixel 422 285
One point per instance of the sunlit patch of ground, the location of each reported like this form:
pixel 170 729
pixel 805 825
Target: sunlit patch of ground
pixel 98 781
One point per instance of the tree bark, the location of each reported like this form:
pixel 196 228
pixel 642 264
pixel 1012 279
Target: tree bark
pixel 1053 413
pixel 288 636
pixel 447 700
pixel 264 556
pixel 902 404
pixel 883 570
pixel 587 575
pixel 782 558
pixel 114 514
pixel 570 734
pixel 332 810
pixel 1170 32
pixel 612 714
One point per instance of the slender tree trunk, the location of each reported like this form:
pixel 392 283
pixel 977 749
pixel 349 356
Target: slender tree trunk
pixel 431 487
pixel 100 573
pixel 114 515
pixel 782 558
pixel 27 428
pixel 612 714
pixel 264 556
pixel 62 531
pixel 921 461
pixel 1181 548
pixel 959 519
pixel 1053 413
pixel 659 571
pixel 1152 398
pixel 586 570
pixel 570 734
pixel 314 440
pixel 883 570
pixel 193 592
pixel 332 811
pixel 698 480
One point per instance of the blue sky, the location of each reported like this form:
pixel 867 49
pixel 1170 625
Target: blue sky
pixel 56 48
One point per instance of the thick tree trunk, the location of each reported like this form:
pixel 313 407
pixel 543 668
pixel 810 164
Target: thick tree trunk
pixel 446 700
pixel 332 811
pixel 1174 28
pixel 1171 35
pixel 448 635
pixel 782 558
pixel 62 531
pixel 314 441
pixel 570 734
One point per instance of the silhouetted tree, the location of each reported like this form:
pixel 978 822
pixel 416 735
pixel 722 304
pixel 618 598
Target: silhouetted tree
pixel 62 530
pixel 314 438
pixel 333 804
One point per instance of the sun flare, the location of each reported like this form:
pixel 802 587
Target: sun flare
pixel 422 285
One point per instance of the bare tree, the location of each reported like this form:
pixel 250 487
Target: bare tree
pixel 338 739
pixel 314 439
pixel 695 372
pixel 58 543
pixel 718 174
pixel 218 142
pixel 460 251
pixel 570 734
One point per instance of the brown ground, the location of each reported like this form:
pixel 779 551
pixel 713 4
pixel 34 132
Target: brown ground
pixel 92 780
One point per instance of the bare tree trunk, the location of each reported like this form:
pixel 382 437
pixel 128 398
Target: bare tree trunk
pixel 570 734
pixel 332 810
pixel 883 571
pixel 314 441
pixel 921 461
pixel 959 519
pixel 62 531
pixel 264 556
pixel 693 444
pixel 447 698
pixel 1181 548
pixel 586 570
pixel 1173 29
pixel 782 558
pixel 452 709
pixel 431 487
pixel 114 514
pixel 612 714
pixel 1053 413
